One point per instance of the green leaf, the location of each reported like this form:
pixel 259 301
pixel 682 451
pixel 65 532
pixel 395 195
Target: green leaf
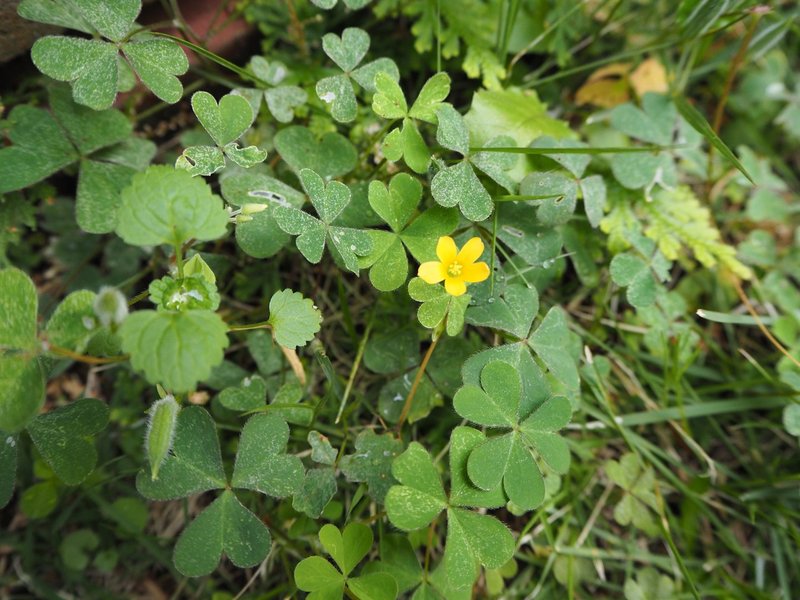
pixel 550 341
pixel 791 423
pixel 593 189
pixel 158 62
pixel 8 467
pixel 373 586
pixel 52 12
pixel 388 261
pixel 389 101
pixel 699 124
pixel 225 526
pixel 318 576
pixel 421 235
pixel 64 438
pixel 653 123
pixel 474 539
pixel 420 497
pixel 463 440
pixel 23 384
pixel 372 462
pixel 18 308
pixel 458 185
pixel 348 50
pixel 201 160
pixel 397 203
pixel 99 195
pixel 537 245
pixel 193 466
pixel 639 501
pixel 39 500
pixel 338 93
pixel 328 199
pixel 507 112
pixel 294 319
pixel 321 449
pixel 574 163
pixel 89 130
pixel 261 461
pixel 452 132
pixel 399 560
pixel 628 270
pixel 497 404
pixel 430 98
pixel 282 101
pixel 365 75
pixel 76 547
pixel 539 430
pixel 513 312
pixel 225 122
pixel 111 20
pixel 392 398
pixel 552 211
pixel 319 486
pixel 73 322
pixel 90 66
pixel 168 206
pixel 250 394
pixel 346 548
pixel 331 156
pixel 407 143
pixel 174 349
pixel 40 148
pixel 188 293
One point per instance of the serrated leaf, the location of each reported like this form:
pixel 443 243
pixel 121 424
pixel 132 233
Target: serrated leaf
pixel 261 461
pixel 226 526
pixel 551 343
pixel 193 466
pixel 175 349
pixel 294 319
pixel 225 122
pixel 158 63
pixel 371 462
pixel 331 156
pixel 64 438
pixel 168 206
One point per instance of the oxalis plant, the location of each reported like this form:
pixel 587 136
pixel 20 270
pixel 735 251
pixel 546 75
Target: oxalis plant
pixel 456 221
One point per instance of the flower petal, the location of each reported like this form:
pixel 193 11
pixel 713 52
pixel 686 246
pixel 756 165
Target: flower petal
pixel 446 249
pixel 455 286
pixel 471 251
pixel 431 272
pixel 475 272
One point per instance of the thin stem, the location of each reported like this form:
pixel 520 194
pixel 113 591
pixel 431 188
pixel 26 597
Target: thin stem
pixel 179 260
pixel 84 358
pixel 415 385
pixel 248 327
pixel 354 370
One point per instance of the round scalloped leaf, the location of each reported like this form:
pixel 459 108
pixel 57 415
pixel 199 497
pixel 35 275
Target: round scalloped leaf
pixel 174 349
pixel 294 319
pixel 168 206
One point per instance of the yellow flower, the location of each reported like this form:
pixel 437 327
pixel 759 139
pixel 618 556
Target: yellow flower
pixel 456 269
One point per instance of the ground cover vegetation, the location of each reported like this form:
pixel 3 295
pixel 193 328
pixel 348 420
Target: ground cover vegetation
pixel 423 298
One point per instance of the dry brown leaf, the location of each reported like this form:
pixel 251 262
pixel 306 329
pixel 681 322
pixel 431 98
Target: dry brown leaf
pixel 650 76
pixel 606 87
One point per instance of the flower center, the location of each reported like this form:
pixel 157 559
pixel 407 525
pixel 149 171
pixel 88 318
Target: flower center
pixel 454 270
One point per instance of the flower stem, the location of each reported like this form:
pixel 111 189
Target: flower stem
pixel 415 384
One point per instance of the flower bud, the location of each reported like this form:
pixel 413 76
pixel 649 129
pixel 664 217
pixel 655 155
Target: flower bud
pixel 163 417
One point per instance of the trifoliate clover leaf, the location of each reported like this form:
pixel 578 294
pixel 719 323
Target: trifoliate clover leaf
pixel 639 500
pixel 390 103
pixel 551 343
pixel 226 526
pixel 396 205
pixel 473 539
pixel 73 323
pixel 513 312
pixel 458 184
pixel 168 206
pixel 225 122
pixel 649 585
pixel 48 141
pixel 261 461
pixel 195 465
pixel 319 577
pixel 174 349
pixel 371 463
pixel 64 438
pixel 188 293
pixel 94 67
pixel 313 234
pixel 21 375
pixel 351 4
pixel 294 319
pixel 654 123
pixel 317 489
pixel 631 271
pixel 438 304
pixel 507 458
pixel 332 155
pixel 347 52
